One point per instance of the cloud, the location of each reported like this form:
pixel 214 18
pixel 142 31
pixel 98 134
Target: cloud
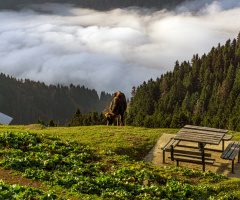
pixel 113 50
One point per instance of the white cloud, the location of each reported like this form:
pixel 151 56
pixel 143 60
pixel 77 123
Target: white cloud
pixel 110 51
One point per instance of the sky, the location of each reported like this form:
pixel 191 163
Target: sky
pixel 113 50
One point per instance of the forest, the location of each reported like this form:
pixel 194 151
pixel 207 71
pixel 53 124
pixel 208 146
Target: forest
pixel 27 100
pixel 205 91
pixel 97 4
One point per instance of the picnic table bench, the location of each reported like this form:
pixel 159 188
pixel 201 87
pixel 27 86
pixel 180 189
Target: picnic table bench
pixel 196 157
pixel 168 147
pixel 230 152
pixel 201 136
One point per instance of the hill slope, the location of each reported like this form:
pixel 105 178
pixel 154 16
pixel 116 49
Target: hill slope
pixel 27 100
pixel 89 168
pixel 204 92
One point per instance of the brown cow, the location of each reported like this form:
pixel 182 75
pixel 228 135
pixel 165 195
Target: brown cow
pixel 118 107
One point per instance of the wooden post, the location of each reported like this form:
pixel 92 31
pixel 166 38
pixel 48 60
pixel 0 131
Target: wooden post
pixel 203 160
pixel 172 158
pixel 222 145
pixel 163 156
pixel 233 165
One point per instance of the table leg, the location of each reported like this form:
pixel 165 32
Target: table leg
pixel 203 159
pixel 163 156
pixel 172 153
pixel 233 166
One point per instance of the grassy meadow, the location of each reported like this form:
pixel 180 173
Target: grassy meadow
pixel 135 142
pixel 101 162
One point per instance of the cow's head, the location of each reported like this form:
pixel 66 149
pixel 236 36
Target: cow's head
pixel 110 118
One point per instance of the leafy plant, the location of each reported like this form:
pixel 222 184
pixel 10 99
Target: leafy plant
pixel 76 168
pixel 15 192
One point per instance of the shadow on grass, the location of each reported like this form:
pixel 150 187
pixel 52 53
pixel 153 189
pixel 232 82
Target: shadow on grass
pixel 134 153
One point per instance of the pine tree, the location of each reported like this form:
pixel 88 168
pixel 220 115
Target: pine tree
pixel 77 119
pixel 40 121
pixel 51 123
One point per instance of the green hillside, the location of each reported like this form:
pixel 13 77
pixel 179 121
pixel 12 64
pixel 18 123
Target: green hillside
pixel 27 100
pixel 100 164
pixel 205 91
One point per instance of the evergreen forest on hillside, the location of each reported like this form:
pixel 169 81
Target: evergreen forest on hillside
pixel 97 4
pixel 26 101
pixel 205 91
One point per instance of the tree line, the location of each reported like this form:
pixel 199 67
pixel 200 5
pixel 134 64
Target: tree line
pixel 205 91
pixel 27 100
pixel 79 119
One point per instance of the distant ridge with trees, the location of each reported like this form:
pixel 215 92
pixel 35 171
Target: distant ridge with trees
pixel 27 100
pixel 205 91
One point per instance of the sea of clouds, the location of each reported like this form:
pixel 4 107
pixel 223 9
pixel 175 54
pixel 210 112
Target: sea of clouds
pixel 112 50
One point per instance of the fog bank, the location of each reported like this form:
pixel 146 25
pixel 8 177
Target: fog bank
pixel 110 51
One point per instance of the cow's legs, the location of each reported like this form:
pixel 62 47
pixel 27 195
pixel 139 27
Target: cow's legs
pixel 121 120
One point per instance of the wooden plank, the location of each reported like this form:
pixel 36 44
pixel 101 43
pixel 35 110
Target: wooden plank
pixel 235 151
pixel 172 142
pixel 201 131
pixel 199 139
pixel 188 152
pixel 168 144
pixel 193 138
pixel 206 128
pixel 199 135
pixel 206 137
pixel 227 137
pixel 196 161
pixel 233 154
pixel 192 156
pixel 175 143
pixel 231 150
pixel 227 150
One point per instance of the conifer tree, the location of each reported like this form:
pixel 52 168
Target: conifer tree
pixel 77 119
pixel 205 92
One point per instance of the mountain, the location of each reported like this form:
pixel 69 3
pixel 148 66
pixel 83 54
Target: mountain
pixel 27 100
pixel 204 92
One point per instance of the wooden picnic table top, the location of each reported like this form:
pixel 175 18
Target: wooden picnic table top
pixel 201 134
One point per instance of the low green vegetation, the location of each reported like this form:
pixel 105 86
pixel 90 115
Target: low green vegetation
pixel 15 192
pixel 135 142
pixel 92 167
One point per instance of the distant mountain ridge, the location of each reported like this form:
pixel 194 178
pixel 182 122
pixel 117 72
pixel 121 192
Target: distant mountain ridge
pixel 27 100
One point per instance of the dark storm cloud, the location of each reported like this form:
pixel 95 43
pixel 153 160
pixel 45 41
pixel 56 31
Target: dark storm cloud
pixel 109 51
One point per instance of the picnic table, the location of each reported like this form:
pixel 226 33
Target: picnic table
pixel 201 136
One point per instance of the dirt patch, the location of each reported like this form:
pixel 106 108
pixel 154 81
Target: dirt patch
pixel 220 165
pixel 12 178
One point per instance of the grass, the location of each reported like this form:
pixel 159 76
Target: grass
pixel 146 180
pixel 135 142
